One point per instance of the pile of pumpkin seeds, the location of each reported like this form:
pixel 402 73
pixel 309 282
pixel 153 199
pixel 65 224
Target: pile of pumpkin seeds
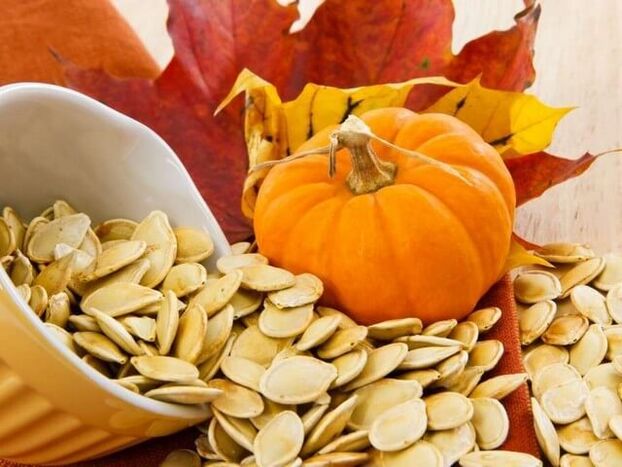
pixel 570 321
pixel 289 383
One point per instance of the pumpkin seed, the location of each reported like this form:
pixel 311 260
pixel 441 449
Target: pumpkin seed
pixel 116 257
pixel 61 335
pixel 603 375
pixel 565 403
pixel 337 459
pixel 352 442
pixel 378 397
pixel 254 345
pixel 392 329
pixel 15 224
pixel 426 357
pixel 601 404
pixel 452 367
pixel 447 410
pixel 312 416
pixel 58 310
pixel 143 383
pixel 120 299
pixel 156 232
pixel 235 400
pixel 440 328
pixel 349 366
pixel 545 433
pixel 342 342
pixel 70 230
pixel 98 365
pixel 297 380
pixel 577 437
pixel 142 327
pixel 289 322
pixel 218 331
pixel 454 443
pixel 614 341
pixel 499 386
pixel 566 330
pixel 243 371
pixel 486 354
pixel 570 460
pixel 611 274
pixel 165 368
pixel 607 453
pixel 490 421
pixel 219 445
pixel 536 286
pixel 115 229
pixel 535 320
pixel 467 381
pixel 24 292
pixel 466 332
pixel 56 275
pixel 590 350
pixel 184 394
pixel 22 271
pixel 420 453
pixel 566 307
pixel 245 302
pixel 399 427
pixel 193 245
pixel 34 225
pixel 38 300
pixel 614 302
pixel 190 335
pixel 329 427
pixel 208 369
pixel 543 355
pixel 615 425
pixel 91 244
pixel 417 342
pixel 380 362
pixel 167 322
pixel 280 441
pixel 346 321
pixel 590 304
pixel 100 346
pixel 553 376
pixel 265 278
pixel 496 458
pixel 424 377
pixel 318 332
pixel 184 279
pixel 307 289
pixel 116 332
pixel 226 264
pixel 565 252
pixel 84 323
pixel 241 430
pixel 582 273
pixel 216 294
pixel 182 458
pixel 485 318
pixel 240 248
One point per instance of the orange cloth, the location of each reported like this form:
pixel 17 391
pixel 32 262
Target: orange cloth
pixel 521 437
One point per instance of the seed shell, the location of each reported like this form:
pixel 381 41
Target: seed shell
pixel 536 286
pixel 165 368
pixel 156 232
pixel 399 427
pixel 490 421
pixel 280 441
pixel 380 362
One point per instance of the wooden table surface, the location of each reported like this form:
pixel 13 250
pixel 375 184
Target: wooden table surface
pixel 578 62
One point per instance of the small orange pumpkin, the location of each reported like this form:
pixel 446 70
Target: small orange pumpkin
pixel 415 220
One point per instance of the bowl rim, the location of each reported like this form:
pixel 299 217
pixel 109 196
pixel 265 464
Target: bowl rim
pixel 106 384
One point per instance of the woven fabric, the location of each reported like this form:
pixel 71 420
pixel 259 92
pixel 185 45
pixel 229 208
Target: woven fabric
pixel 521 437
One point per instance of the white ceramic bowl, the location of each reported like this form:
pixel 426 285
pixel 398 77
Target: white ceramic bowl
pixel 56 143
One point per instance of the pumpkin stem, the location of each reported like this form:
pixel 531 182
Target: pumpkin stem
pixel 369 172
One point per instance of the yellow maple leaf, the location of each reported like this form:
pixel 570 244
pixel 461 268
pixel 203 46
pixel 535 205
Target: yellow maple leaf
pixel 274 129
pixel 506 120
pixel 518 256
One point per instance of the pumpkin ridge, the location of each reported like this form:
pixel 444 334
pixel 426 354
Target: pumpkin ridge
pixel 467 232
